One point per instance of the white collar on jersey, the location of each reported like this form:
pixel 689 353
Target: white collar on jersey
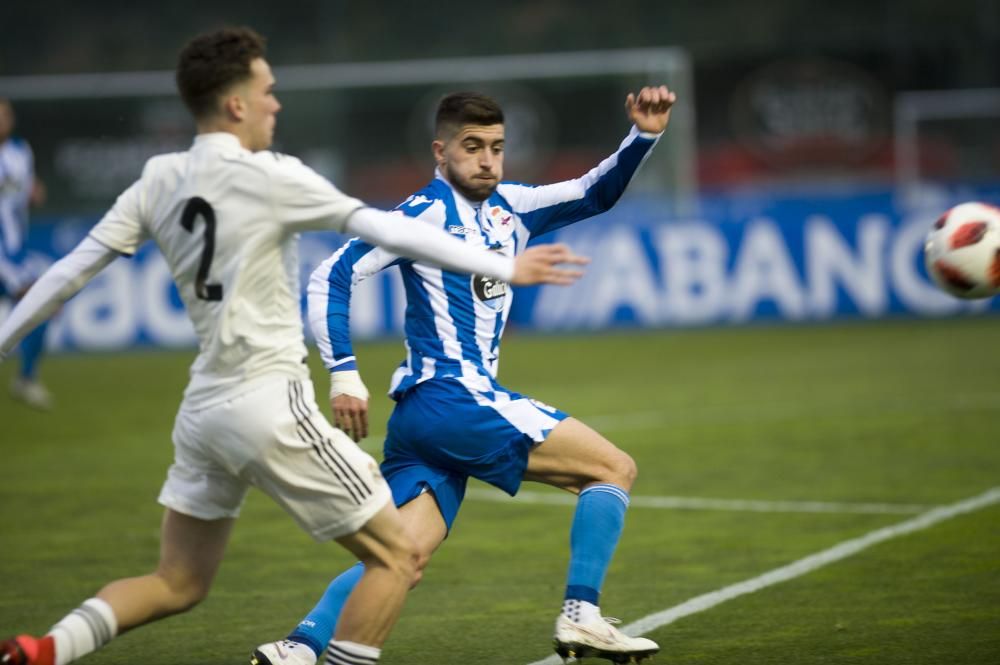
pixel 221 139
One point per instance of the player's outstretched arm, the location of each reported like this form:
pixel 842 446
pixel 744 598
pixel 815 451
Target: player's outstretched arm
pixel 430 244
pixel 649 110
pixel 57 285
pixel 550 207
pixel 541 265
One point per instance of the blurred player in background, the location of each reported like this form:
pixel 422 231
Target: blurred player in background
pixel 452 419
pixel 20 190
pixel 226 215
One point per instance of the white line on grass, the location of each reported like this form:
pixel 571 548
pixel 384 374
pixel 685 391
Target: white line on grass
pixel 729 414
pixel 802 566
pixel 750 412
pixel 700 503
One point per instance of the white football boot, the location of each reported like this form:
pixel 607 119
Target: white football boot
pixel 285 652
pixel 32 393
pixel 600 639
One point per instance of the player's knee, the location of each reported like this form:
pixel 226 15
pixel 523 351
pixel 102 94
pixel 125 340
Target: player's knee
pixel 402 559
pixel 185 590
pixel 190 595
pixel 414 567
pixel 421 561
pixel 622 470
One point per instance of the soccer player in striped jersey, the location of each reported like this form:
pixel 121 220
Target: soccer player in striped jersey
pixel 19 190
pixel 226 214
pixel 452 418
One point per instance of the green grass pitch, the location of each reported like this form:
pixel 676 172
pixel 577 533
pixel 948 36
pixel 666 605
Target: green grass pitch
pixel 902 412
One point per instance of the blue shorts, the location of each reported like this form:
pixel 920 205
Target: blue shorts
pixel 444 430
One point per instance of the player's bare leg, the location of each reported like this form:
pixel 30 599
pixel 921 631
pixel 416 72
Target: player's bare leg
pixel 190 552
pixel 390 567
pixel 576 458
pixel 422 524
pixel 374 604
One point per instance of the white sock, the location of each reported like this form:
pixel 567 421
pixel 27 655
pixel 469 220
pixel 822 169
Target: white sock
pixel 351 653
pixel 85 629
pixel 580 611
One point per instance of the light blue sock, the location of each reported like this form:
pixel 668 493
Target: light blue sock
pixel 31 350
pixel 316 630
pixel 597 526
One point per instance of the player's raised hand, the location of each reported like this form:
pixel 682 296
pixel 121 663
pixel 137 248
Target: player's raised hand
pixel 541 265
pixel 349 403
pixel 650 109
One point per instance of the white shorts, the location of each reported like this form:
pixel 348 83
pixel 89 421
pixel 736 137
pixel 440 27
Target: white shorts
pixel 272 437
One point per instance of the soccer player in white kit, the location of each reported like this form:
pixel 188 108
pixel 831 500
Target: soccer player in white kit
pixel 226 215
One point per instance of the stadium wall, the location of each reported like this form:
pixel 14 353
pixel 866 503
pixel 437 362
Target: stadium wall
pixel 741 260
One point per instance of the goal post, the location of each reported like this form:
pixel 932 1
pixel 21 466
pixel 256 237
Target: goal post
pixel 367 125
pixel 945 139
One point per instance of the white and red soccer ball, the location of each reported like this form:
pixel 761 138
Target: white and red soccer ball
pixel 962 251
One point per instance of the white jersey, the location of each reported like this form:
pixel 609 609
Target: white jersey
pixel 227 222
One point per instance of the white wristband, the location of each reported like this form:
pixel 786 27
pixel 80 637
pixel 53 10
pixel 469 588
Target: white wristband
pixel 347 382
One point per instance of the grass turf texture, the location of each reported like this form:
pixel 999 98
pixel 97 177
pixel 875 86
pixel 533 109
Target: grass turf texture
pixel 901 412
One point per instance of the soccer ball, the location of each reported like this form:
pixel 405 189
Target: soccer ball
pixel 962 251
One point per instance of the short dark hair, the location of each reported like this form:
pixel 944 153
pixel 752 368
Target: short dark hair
pixel 211 63
pixel 466 108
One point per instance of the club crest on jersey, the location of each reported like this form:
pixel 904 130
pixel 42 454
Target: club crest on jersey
pixel 490 291
pixel 500 217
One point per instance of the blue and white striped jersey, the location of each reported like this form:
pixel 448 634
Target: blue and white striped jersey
pixel 17 177
pixel 454 321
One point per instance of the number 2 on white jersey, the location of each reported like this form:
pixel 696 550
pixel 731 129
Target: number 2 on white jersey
pixel 197 206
